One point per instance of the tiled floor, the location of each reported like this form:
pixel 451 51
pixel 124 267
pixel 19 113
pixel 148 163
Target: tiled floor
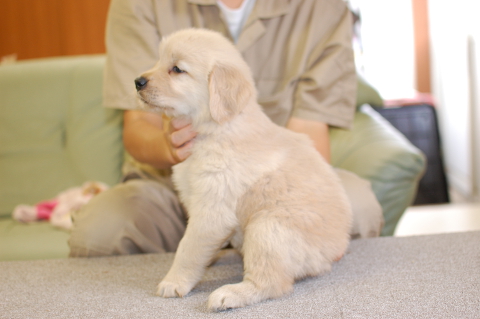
pixel 434 219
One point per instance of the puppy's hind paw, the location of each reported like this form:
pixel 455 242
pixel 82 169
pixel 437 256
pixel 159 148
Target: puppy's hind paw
pixel 168 289
pixel 228 297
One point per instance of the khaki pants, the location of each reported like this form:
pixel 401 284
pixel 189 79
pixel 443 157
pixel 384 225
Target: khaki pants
pixel 144 215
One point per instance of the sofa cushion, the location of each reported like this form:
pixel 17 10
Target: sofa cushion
pixel 32 241
pixel 378 152
pixel 367 94
pixel 54 133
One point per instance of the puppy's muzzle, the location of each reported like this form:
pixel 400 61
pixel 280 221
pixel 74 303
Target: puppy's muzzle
pixel 140 83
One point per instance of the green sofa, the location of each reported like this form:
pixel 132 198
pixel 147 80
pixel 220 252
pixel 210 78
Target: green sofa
pixel 54 134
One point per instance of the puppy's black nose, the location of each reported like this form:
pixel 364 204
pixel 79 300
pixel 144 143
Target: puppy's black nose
pixel 140 83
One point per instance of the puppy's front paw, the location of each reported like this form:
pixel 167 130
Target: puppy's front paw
pixel 167 289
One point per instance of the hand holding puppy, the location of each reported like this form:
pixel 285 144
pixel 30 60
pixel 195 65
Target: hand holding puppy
pixel 179 135
pixel 156 140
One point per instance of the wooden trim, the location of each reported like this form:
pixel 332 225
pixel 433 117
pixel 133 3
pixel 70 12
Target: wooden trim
pixel 44 28
pixel 422 45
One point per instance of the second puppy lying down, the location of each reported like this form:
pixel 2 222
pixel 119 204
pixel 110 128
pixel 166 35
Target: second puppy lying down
pixel 248 181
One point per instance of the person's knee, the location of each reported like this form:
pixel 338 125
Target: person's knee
pixel 367 213
pixel 133 217
pixel 97 226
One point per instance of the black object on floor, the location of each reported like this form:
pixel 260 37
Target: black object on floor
pixel 419 124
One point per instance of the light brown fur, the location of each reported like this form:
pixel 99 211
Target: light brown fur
pixel 248 181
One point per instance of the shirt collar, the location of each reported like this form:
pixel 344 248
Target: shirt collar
pixel 203 2
pixel 265 9
pixel 254 27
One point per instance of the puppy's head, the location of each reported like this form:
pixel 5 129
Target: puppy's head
pixel 200 74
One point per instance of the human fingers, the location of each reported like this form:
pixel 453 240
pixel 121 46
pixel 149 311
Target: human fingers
pixel 179 135
pixel 179 123
pixel 183 152
pixel 182 136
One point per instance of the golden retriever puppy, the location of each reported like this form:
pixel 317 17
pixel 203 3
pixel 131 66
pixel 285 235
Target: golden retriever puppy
pixel 248 181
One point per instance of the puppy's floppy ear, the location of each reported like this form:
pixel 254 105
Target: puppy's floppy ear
pixel 229 92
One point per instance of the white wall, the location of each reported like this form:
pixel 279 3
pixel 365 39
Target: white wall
pixel 388 64
pixel 474 59
pixel 388 60
pixel 474 40
pixel 455 49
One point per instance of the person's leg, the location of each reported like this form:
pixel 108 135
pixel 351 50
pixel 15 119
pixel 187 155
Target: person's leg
pixel 367 212
pixel 138 216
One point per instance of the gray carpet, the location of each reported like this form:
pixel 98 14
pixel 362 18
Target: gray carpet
pixel 415 277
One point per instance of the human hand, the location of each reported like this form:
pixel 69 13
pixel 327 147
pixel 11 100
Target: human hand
pixel 179 135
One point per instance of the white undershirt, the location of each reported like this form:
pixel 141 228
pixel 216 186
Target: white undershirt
pixel 236 18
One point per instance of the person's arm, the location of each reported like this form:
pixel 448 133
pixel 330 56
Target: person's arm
pixel 328 85
pixel 317 131
pixel 132 39
pixel 153 140
pixel 326 89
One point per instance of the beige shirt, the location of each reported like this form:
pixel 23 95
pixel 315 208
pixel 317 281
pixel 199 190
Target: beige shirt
pixel 299 52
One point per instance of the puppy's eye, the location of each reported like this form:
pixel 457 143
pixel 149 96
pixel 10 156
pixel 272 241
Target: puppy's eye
pixel 176 69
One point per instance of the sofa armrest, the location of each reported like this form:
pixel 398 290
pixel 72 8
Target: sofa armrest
pixel 54 132
pixel 376 151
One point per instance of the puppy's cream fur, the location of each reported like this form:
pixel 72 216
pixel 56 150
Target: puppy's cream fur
pixel 248 181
